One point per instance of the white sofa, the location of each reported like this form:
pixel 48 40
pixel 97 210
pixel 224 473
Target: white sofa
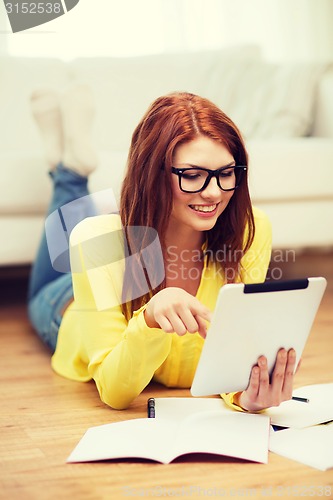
pixel 285 113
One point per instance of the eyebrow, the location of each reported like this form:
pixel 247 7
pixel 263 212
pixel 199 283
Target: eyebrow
pixel 231 164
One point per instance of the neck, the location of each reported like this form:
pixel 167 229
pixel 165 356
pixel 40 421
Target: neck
pixel 183 239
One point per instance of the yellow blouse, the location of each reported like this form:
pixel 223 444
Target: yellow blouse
pixel 96 342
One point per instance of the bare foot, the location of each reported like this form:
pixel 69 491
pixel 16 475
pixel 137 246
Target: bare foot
pixel 46 111
pixel 77 108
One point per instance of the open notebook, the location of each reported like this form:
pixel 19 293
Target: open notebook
pixel 232 434
pixel 309 438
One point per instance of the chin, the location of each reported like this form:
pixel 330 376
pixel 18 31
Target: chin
pixel 205 225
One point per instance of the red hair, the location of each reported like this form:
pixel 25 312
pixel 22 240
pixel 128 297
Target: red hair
pixel 146 195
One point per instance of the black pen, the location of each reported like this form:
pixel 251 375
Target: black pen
pixel 302 400
pixel 151 408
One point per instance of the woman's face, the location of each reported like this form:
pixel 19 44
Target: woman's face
pixel 200 211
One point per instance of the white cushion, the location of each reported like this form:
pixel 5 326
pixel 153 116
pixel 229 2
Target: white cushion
pixel 124 88
pixel 268 100
pixel 283 104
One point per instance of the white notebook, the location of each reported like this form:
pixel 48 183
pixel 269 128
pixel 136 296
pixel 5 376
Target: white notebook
pixel 238 435
pixel 311 446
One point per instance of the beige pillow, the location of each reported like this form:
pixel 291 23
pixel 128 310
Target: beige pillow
pixel 268 100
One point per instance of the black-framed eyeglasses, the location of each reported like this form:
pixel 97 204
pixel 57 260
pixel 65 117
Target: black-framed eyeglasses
pixel 196 179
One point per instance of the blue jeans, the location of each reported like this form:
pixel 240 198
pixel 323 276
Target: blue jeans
pixel 50 286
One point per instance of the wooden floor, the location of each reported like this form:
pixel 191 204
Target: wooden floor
pixel 43 416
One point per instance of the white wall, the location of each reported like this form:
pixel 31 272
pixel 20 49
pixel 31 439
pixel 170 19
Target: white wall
pixel 4 31
pixel 284 29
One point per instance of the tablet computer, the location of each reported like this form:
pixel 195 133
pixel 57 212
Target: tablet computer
pixel 253 320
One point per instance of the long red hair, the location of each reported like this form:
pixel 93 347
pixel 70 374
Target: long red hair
pixel 146 195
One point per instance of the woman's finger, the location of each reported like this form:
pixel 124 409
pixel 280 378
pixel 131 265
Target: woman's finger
pixel 177 324
pixel 287 389
pixel 170 323
pixel 202 326
pixel 254 383
pixel 248 399
pixel 278 375
pixel 164 323
pixel 263 378
pixel 187 318
pixel 199 309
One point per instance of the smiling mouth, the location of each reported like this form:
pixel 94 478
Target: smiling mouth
pixel 204 208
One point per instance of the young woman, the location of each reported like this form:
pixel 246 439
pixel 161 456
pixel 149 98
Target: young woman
pixel 146 281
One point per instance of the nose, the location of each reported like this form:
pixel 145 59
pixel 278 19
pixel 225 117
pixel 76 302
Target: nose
pixel 212 191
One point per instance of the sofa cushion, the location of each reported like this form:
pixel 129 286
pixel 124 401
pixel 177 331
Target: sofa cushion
pixel 267 101
pixel 125 87
pixel 285 101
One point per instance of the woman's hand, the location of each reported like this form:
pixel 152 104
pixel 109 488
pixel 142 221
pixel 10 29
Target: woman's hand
pixel 261 392
pixel 174 310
